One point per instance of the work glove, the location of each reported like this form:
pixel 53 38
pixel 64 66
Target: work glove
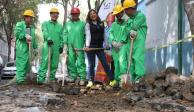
pixel 133 34
pixel 28 38
pixel 60 50
pixel 87 49
pixel 117 45
pixel 114 44
pixel 35 52
pixel 107 47
pixel 50 42
pixel 65 48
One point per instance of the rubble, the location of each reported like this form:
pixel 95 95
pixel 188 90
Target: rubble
pixel 33 109
pixel 165 91
pixel 70 90
pixel 170 70
pixel 21 102
pixel 52 100
pixel 164 86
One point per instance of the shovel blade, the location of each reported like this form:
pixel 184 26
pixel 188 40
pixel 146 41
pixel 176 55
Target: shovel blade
pixel 125 80
pixel 31 78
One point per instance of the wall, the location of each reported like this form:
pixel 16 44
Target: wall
pixel 162 19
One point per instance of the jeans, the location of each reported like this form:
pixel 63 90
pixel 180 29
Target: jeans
pixel 101 56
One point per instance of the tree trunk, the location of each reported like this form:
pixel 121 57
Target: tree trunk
pixel 189 9
pixel 97 3
pixel 8 35
pixel 100 5
pixel 65 6
pixel 9 51
pixel 89 5
pixel 73 3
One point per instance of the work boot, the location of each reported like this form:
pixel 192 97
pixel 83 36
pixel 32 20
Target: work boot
pixel 90 84
pixel 55 86
pixel 113 83
pixel 39 82
pixel 22 83
pixel 69 80
pixel 82 83
pixel 138 79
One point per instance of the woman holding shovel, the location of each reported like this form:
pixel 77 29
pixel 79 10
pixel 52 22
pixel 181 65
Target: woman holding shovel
pixel 94 30
pixel 119 41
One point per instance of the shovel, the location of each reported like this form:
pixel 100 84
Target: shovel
pixel 31 77
pixel 30 56
pixel 91 49
pixel 49 63
pixel 63 78
pixel 126 77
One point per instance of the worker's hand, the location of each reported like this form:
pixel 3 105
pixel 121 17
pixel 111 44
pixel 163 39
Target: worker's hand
pixel 114 44
pixel 107 47
pixel 50 42
pixel 60 50
pixel 28 38
pixel 117 45
pixel 86 49
pixel 133 34
pixel 36 52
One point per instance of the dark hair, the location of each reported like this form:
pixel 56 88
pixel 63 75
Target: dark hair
pixel 88 19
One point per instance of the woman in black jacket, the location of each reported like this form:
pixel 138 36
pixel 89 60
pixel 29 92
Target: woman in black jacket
pixel 94 30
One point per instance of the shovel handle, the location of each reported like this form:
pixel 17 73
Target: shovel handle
pixel 63 78
pixel 49 63
pixel 91 49
pixel 130 55
pixel 30 52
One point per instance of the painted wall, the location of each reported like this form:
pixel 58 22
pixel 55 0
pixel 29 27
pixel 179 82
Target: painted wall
pixel 162 21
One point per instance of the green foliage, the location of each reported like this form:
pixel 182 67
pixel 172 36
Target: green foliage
pixel 11 11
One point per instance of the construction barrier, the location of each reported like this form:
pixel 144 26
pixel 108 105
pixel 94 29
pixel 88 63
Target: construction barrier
pixel 101 75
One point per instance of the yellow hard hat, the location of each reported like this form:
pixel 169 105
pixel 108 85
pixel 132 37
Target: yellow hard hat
pixel 129 4
pixel 117 9
pixel 28 13
pixel 54 10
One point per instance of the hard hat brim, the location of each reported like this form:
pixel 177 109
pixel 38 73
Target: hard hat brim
pixel 129 7
pixel 115 13
pixel 75 13
pixel 29 16
pixel 55 12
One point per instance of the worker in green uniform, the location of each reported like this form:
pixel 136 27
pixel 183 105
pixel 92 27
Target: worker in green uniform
pixel 73 36
pixel 137 28
pixel 24 33
pixel 120 43
pixel 52 33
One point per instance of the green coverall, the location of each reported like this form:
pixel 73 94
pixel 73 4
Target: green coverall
pixel 73 36
pixel 22 50
pixel 138 23
pixel 118 33
pixel 51 31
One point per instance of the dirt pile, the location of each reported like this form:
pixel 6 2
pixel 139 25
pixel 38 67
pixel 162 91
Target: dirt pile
pixel 164 91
